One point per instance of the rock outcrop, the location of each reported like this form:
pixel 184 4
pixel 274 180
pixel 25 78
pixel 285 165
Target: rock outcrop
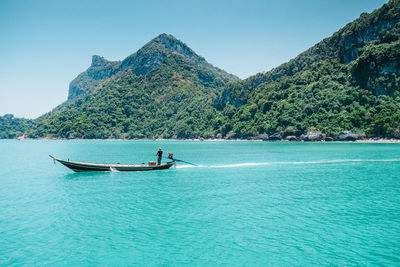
pixel 263 137
pixel 291 138
pixel 99 70
pixel 347 136
pixel 275 137
pixel 312 137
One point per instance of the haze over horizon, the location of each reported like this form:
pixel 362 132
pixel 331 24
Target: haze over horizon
pixel 47 44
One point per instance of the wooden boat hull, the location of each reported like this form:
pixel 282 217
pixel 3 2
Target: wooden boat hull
pixel 86 166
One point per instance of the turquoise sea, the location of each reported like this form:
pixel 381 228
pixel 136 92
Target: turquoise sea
pixel 248 203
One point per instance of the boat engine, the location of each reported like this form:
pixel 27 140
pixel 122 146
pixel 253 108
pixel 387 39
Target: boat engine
pixel 171 156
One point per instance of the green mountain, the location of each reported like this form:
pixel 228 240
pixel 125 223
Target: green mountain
pixel 163 90
pixel 349 81
pixel 151 56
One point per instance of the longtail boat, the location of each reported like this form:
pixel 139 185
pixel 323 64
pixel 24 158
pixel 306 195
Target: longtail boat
pixel 87 166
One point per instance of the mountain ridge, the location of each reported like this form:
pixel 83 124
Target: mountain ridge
pixel 150 56
pixel 342 44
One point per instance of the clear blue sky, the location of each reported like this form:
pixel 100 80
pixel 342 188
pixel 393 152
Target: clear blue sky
pixel 45 43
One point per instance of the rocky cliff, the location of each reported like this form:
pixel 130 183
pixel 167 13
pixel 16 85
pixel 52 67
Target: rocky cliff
pixel 345 45
pixel 99 70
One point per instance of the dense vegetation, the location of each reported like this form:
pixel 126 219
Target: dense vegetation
pixel 350 81
pixel 347 82
pixel 163 93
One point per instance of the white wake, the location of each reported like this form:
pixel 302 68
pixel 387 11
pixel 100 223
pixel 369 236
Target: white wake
pixel 236 165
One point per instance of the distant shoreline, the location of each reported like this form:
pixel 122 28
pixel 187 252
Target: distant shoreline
pixel 365 141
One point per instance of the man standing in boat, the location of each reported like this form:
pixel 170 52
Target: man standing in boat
pixel 159 155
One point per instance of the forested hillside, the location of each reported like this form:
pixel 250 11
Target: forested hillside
pixel 163 90
pixel 349 81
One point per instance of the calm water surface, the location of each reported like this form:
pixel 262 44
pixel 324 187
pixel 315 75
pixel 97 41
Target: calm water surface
pixel 246 204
